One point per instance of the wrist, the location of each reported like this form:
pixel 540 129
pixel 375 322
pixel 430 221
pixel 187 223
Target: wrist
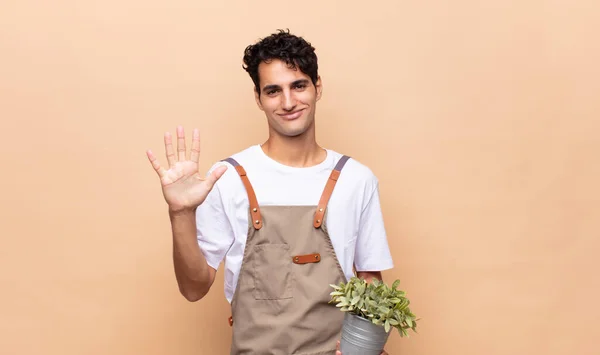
pixel 182 211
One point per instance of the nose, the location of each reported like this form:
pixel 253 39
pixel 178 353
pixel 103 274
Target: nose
pixel 288 100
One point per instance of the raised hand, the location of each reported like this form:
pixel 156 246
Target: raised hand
pixel 183 187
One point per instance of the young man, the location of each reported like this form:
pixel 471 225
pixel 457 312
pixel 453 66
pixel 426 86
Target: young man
pixel 288 216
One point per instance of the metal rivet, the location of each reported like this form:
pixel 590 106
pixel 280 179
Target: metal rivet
pixel 257 221
pixel 320 210
pixel 296 259
pixel 254 209
pixel 316 256
pixel 318 221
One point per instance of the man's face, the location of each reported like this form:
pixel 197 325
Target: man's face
pixel 288 98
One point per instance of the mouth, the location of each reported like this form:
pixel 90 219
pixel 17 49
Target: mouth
pixel 291 115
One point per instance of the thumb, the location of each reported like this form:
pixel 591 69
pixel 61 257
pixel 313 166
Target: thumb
pixel 215 176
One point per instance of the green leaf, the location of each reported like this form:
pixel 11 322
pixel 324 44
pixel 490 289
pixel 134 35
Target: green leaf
pixel 401 306
pixel 376 301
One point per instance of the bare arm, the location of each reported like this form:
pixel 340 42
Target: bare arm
pixel 184 190
pixel 194 275
pixel 369 275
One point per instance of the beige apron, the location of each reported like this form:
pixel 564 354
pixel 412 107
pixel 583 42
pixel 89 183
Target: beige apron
pixel 281 302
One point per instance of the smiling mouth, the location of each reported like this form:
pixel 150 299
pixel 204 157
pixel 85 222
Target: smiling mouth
pixel 292 115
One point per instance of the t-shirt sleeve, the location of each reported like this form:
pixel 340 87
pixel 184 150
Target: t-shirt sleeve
pixel 213 228
pixel 372 250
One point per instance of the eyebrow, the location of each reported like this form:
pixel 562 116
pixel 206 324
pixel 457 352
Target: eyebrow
pixel 294 83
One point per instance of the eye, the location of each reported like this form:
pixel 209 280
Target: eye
pixel 272 91
pixel 300 86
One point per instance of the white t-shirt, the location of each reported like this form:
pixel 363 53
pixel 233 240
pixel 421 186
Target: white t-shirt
pixel 354 219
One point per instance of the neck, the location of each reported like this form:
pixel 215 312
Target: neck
pixel 298 152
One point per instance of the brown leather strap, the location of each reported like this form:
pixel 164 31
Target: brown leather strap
pixel 254 209
pixel 333 177
pixel 305 259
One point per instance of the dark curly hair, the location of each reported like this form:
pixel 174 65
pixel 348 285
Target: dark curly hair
pixel 293 50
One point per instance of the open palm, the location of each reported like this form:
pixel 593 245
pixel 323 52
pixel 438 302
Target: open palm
pixel 183 187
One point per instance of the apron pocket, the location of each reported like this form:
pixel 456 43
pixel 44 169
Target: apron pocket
pixel 272 272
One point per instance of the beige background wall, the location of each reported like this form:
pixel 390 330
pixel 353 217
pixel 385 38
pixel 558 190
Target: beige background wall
pixel 480 118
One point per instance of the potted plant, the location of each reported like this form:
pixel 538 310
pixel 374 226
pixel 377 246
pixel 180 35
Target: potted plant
pixel 372 310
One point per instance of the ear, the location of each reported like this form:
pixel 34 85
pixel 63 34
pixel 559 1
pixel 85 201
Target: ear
pixel 257 98
pixel 319 87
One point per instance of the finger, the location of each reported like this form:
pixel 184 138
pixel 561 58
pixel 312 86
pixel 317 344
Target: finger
pixel 215 176
pixel 212 179
pixel 195 155
pixel 155 164
pixel 169 150
pixel 180 144
pixel 337 345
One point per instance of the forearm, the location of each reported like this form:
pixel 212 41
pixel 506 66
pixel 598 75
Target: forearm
pixel 369 275
pixel 194 275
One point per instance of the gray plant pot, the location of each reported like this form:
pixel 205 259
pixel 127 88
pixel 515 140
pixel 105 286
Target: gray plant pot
pixel 361 337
